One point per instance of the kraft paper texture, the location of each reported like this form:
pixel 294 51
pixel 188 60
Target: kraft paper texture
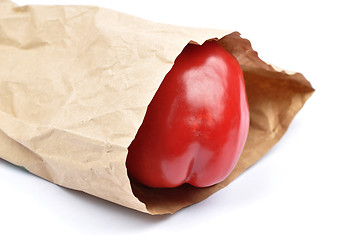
pixel 75 83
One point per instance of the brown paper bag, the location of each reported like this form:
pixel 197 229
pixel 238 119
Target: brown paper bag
pixel 75 82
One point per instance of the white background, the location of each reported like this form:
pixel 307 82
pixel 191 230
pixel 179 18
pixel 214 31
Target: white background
pixel 307 187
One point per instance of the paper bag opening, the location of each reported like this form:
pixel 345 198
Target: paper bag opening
pixel 274 98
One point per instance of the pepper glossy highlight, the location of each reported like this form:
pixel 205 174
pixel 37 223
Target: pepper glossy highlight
pixel 197 123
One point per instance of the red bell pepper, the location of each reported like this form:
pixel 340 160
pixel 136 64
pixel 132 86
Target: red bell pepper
pixel 196 125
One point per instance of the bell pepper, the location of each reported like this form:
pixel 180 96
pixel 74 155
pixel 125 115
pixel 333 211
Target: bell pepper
pixel 197 123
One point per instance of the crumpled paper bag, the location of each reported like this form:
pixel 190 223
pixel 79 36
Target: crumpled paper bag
pixel 75 82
